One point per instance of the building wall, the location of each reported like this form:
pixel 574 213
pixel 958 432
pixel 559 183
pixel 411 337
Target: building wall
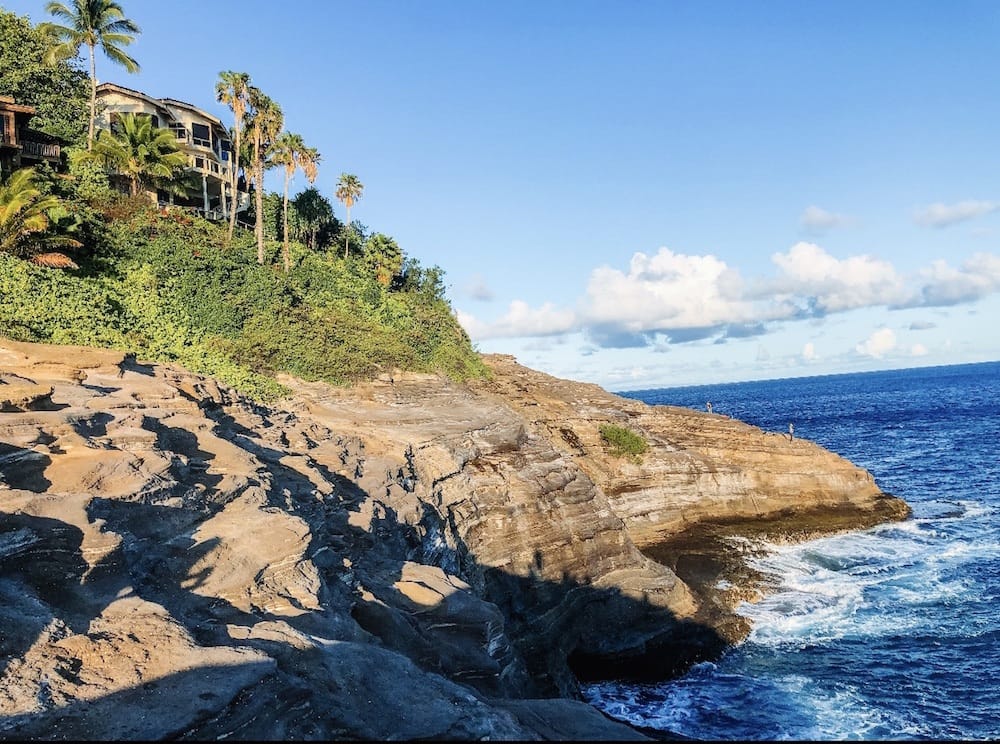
pixel 206 156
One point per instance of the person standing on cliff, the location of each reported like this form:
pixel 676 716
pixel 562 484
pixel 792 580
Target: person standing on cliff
pixel 791 431
pixel 708 406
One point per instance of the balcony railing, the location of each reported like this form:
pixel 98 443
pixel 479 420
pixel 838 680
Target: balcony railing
pixel 211 167
pixel 39 149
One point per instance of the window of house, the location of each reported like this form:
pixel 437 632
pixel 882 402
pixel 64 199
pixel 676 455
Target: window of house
pixel 199 162
pixel 201 135
pixel 155 120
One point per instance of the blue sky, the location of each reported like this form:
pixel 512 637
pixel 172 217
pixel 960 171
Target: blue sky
pixel 645 194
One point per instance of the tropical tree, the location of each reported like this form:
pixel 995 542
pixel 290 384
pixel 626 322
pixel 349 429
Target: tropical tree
pixel 264 122
pixel 60 93
pixel 291 152
pixel 233 89
pixel 25 220
pixel 349 190
pixel 94 23
pixel 315 215
pixel 146 155
pixel 384 256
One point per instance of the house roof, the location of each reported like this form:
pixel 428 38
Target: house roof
pixel 163 103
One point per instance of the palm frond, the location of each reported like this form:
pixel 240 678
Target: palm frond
pixel 118 56
pixel 54 260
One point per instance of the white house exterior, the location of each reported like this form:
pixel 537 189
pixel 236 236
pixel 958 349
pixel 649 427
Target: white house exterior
pixel 201 136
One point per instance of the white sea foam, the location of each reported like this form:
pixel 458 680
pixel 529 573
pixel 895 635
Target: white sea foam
pixel 866 584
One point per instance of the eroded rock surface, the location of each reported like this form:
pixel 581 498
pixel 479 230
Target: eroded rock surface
pixel 409 558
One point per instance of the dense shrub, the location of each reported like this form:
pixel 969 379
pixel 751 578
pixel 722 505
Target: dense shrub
pixel 622 442
pixel 161 285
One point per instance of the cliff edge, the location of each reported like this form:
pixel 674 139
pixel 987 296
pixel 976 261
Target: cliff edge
pixel 407 558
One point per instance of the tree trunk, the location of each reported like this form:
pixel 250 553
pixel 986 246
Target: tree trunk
pixel 259 193
pixel 347 231
pixel 93 98
pixel 234 162
pixel 284 224
pixel 258 172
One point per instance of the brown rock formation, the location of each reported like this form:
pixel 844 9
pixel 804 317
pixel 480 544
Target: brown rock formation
pixel 410 558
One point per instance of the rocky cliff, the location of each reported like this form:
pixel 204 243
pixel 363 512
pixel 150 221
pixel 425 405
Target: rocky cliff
pixel 409 558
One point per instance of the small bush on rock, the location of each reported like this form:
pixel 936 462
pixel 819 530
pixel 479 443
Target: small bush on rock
pixel 623 442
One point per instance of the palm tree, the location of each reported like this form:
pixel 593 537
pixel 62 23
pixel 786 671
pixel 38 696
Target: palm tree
pixel 349 190
pixel 385 258
pixel 24 219
pixel 144 154
pixel 233 89
pixel 264 121
pixel 94 23
pixel 290 151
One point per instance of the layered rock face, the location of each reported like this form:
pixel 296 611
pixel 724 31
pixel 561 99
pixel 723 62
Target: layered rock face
pixel 409 558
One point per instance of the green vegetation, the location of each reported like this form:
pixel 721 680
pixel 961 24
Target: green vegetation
pixel 264 121
pixel 349 190
pixel 623 442
pixel 58 92
pixel 291 152
pixel 233 89
pixel 162 287
pixel 26 214
pixel 145 155
pixel 173 287
pixel 91 23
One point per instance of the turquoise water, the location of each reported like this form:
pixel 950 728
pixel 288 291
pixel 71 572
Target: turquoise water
pixel 890 633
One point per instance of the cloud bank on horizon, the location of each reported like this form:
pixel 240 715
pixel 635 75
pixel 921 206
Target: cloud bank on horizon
pixel 677 298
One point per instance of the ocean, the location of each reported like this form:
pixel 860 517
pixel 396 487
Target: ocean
pixel 889 633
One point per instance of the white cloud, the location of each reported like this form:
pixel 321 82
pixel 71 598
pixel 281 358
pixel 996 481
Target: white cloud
pixel 670 298
pixel 918 350
pixel 878 344
pixel 809 352
pixel 521 320
pixel 834 284
pixel 942 215
pixel 817 219
pixel 944 285
pixel 667 291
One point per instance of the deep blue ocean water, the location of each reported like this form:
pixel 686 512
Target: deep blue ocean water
pixel 890 633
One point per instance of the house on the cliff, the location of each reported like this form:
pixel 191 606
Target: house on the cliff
pixel 21 146
pixel 200 136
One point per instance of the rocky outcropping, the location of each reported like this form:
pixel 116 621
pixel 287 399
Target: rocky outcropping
pixel 408 558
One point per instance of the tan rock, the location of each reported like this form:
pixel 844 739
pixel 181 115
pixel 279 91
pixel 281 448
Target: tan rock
pixel 290 572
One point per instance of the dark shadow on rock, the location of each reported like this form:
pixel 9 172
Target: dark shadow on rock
pixel 94 425
pixel 163 708
pixel 129 364
pixel 41 566
pixel 99 389
pixel 507 636
pixel 181 441
pixel 24 468
pixel 157 555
